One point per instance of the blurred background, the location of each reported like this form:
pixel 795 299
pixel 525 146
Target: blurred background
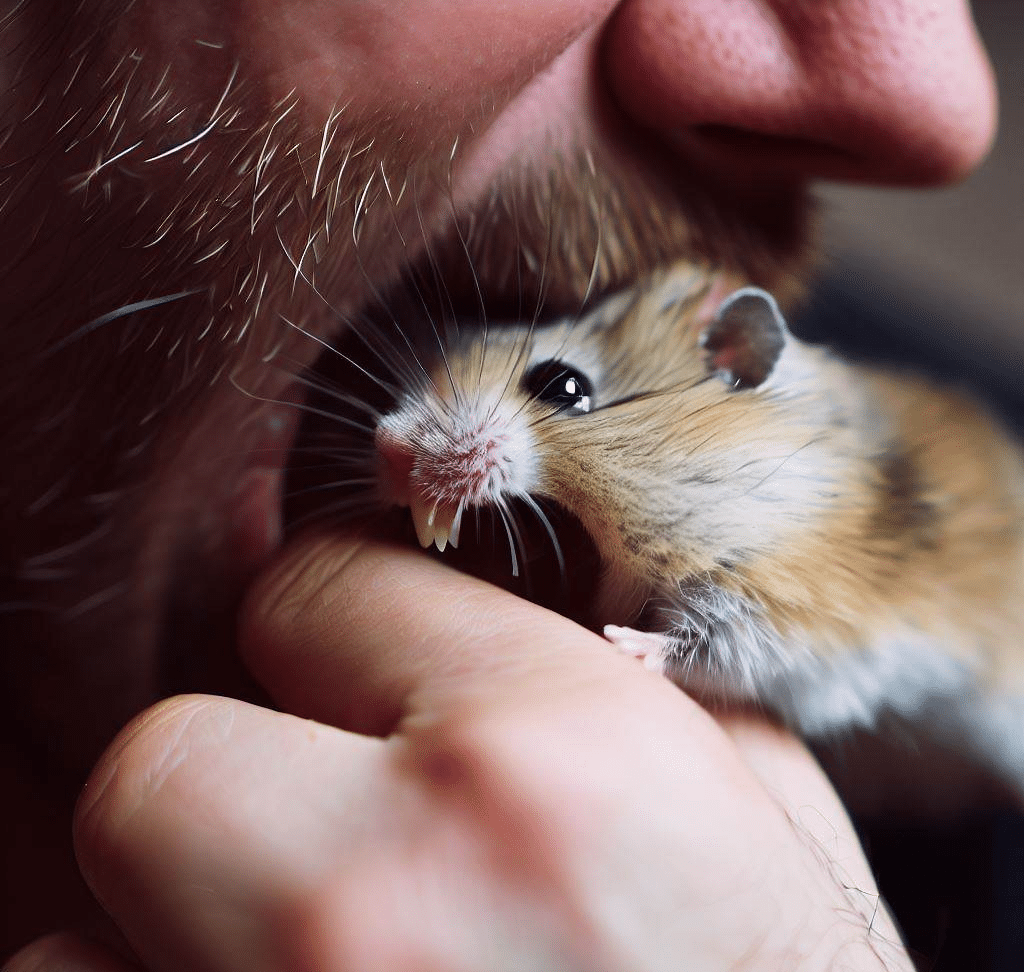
pixel 956 254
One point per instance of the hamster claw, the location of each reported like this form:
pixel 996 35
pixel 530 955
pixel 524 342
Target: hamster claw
pixel 646 646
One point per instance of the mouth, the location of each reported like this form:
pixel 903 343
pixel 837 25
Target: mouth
pixel 436 524
pixel 539 245
pixel 339 468
pixel 217 521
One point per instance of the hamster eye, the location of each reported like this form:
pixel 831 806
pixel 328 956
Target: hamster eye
pixel 557 384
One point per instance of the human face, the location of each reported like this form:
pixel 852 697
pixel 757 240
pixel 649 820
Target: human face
pixel 181 180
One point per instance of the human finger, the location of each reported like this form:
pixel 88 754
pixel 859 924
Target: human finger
pixel 360 634
pixel 222 836
pixel 206 815
pixel 352 624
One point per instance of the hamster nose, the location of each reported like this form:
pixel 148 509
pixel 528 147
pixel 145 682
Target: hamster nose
pixel 890 91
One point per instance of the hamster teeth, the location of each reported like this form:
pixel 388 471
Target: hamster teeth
pixel 435 522
pixel 440 537
pixel 453 537
pixel 447 520
pixel 422 517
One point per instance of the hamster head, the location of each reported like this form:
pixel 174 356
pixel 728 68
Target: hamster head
pixel 457 446
pixel 639 419
pixel 772 523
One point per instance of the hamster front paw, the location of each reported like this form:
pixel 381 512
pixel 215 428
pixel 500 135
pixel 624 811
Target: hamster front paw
pixel 654 650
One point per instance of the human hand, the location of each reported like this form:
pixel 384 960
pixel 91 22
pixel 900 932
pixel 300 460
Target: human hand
pixel 487 786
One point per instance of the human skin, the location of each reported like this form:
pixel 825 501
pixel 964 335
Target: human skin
pixel 201 152
pixel 509 819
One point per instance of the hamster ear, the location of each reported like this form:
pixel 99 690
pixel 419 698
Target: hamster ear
pixel 746 337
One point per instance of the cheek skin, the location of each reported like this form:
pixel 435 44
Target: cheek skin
pixel 891 91
pixel 432 62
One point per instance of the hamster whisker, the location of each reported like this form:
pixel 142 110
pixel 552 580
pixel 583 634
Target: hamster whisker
pixel 347 508
pixel 383 385
pixel 598 243
pixel 517 353
pixel 629 399
pixel 407 362
pixel 334 484
pixel 519 250
pixel 520 350
pixel 333 454
pixel 505 516
pixel 520 543
pixel 298 406
pixel 508 383
pixel 332 417
pixel 440 289
pixel 697 447
pixel 810 442
pixel 441 292
pixel 532 504
pixel 398 357
pixel 542 291
pixel 543 282
pixel 439 278
pixel 329 391
pixel 397 360
pixel 478 290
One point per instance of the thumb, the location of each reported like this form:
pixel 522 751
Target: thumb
pixel 362 634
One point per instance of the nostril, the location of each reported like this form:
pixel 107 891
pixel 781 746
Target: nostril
pixel 866 90
pixel 744 138
pixel 790 154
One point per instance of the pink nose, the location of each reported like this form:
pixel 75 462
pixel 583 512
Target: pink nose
pixel 895 91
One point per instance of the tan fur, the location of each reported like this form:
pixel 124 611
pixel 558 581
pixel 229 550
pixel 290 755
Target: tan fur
pixel 942 541
pixel 834 542
pixel 940 548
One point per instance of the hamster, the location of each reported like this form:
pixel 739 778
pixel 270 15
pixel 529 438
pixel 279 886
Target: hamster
pixel 839 543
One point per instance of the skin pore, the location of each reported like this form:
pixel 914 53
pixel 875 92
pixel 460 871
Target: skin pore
pixel 182 180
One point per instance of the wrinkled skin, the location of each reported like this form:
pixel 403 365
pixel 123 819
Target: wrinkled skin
pixel 205 161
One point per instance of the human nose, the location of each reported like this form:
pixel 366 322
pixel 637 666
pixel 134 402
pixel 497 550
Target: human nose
pixel 888 91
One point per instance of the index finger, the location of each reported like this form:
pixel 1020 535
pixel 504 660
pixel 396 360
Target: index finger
pixel 364 635
pixel 361 634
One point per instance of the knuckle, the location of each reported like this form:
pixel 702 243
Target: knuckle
pixel 496 767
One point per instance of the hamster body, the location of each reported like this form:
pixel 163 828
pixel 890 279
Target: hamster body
pixel 836 542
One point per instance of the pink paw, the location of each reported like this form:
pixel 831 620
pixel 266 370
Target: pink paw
pixel 650 648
